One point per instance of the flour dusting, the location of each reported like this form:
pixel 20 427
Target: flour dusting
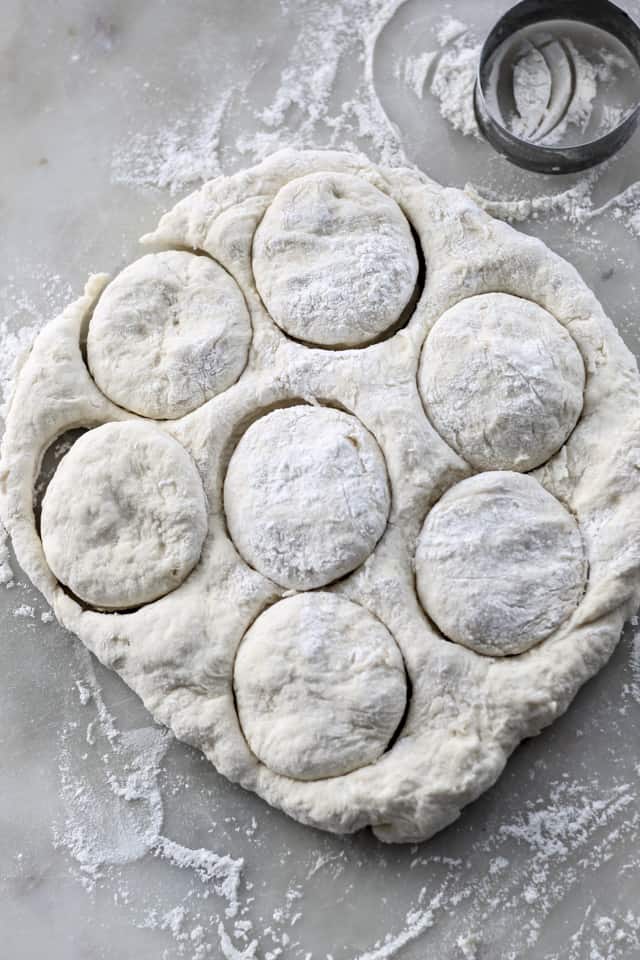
pixel 301 112
pixel 117 818
pixel 574 205
pixel 6 573
pixel 183 156
pixel 455 76
pixel 22 316
pixel 634 661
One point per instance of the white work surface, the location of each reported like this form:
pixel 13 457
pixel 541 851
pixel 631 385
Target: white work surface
pixel 105 107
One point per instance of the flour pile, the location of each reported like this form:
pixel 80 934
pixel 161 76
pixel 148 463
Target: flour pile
pixel 454 75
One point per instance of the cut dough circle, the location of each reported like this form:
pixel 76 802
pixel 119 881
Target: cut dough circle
pixel 502 382
pixel 500 563
pixel 169 333
pixel 306 495
pixel 320 686
pixel 334 260
pixel 124 516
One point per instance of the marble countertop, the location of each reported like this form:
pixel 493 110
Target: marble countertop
pixel 116 841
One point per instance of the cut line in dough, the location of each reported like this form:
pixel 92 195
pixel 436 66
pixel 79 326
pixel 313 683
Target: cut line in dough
pixel 169 333
pixel 124 516
pixel 500 563
pixel 335 261
pixel 320 686
pixel 306 495
pixel 502 382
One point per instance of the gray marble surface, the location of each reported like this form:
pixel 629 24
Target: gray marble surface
pixel 109 111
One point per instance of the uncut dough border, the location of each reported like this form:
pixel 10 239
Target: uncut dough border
pixel 467 711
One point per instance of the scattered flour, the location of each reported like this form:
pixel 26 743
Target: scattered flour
pixel 229 952
pixel 223 873
pixel 117 818
pixel 24 610
pixel 452 69
pixel 416 70
pixel 417 921
pixel 301 113
pixel 449 29
pixel 6 573
pixel 454 77
pixel 183 156
pixel 574 205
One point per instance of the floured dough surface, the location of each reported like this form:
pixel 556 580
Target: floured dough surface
pixel 170 332
pixel 502 381
pixel 380 600
pixel 320 687
pixel 500 563
pixel 124 516
pixel 334 260
pixel 306 495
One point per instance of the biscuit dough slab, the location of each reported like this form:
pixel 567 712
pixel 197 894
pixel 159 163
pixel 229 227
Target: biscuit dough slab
pixel 466 710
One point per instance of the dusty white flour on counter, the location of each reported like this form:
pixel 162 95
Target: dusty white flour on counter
pixel 117 817
pixel 22 316
pixel 499 885
pixel 6 573
pixel 453 68
pixel 185 154
pixel 449 73
pixel 302 112
pixel 574 205
pixel 454 75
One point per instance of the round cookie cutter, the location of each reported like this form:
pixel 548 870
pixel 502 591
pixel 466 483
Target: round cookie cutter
pixel 555 159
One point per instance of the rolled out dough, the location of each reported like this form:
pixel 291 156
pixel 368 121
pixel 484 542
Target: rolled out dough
pixel 464 487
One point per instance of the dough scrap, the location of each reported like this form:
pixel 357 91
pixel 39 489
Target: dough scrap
pixel 334 260
pixel 502 382
pixel 320 687
pixel 169 333
pixel 124 516
pixel 306 495
pixel 500 563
